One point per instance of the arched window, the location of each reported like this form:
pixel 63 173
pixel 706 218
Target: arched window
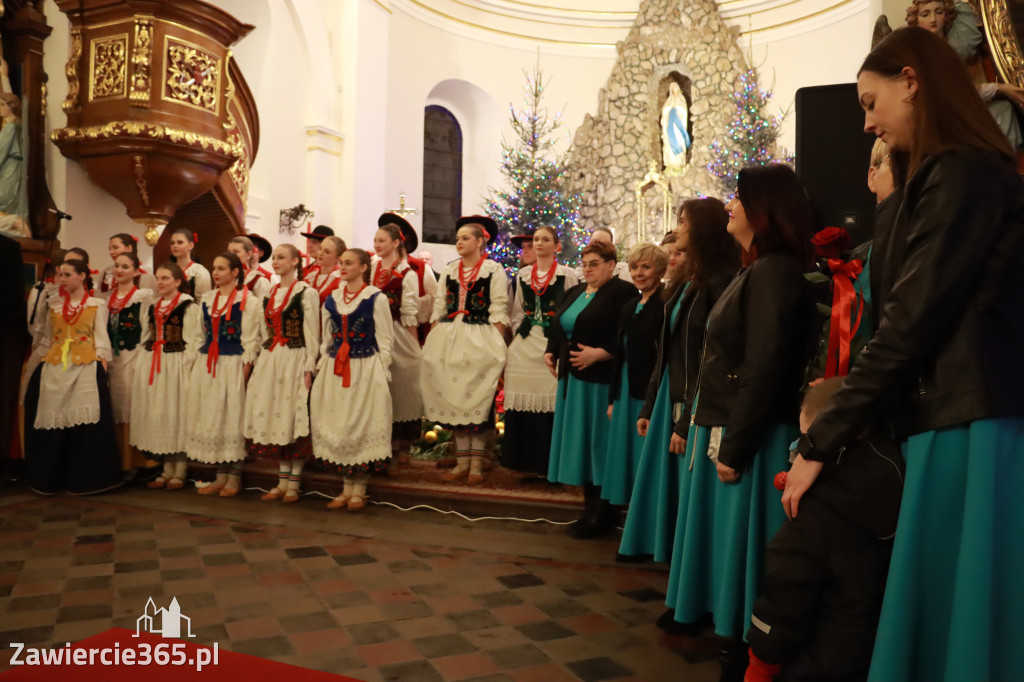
pixel 442 175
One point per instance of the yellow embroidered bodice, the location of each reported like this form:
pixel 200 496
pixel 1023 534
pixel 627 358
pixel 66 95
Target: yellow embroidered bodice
pixel 78 340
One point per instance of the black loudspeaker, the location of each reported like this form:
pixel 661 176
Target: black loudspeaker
pixel 833 154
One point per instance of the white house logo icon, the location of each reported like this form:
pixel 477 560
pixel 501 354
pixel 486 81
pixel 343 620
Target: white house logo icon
pixel 170 620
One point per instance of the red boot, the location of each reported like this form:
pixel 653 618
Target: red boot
pixel 759 671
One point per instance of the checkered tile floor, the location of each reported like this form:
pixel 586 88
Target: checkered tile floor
pixel 366 607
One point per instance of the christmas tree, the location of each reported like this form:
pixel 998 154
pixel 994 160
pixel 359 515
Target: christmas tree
pixel 750 138
pixel 537 177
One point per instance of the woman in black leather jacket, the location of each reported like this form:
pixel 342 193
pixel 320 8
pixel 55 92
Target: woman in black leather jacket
pixel 581 339
pixel 944 370
pixel 745 411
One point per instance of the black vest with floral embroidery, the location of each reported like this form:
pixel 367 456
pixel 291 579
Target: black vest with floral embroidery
pixel 173 328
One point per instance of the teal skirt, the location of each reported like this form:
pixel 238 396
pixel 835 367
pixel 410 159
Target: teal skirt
pixel 955 594
pixel 624 445
pixel 579 440
pixel 651 520
pixel 722 532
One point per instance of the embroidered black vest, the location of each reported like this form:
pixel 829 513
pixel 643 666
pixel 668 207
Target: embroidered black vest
pixel 125 328
pixel 230 341
pixel 393 290
pixel 173 328
pixel 478 301
pixel 547 303
pixel 362 332
pixel 291 323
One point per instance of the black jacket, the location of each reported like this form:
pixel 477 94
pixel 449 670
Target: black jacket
pixel 681 346
pixel 595 326
pixel 637 345
pixel 951 308
pixel 758 341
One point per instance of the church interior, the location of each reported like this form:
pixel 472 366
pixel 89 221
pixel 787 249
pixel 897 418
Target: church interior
pixel 269 118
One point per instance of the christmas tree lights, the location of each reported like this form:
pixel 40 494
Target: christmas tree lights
pixel 750 138
pixel 537 177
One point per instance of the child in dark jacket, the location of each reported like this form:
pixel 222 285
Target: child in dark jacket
pixel 826 569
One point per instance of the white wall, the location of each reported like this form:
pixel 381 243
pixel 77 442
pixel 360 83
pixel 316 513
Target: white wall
pixel 351 78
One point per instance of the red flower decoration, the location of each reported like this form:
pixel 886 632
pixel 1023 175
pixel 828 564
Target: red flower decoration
pixel 831 242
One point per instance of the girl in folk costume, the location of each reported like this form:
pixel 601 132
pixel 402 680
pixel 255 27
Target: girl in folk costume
pixel 69 435
pixel 172 334
pixel 529 387
pixel 393 276
pixel 464 354
pixel 277 399
pixel 125 304
pixel 216 398
pixel 350 401
pixel 77 253
pixel 118 244
pixel 254 280
pixel 197 278
pixel 311 266
pixel 328 258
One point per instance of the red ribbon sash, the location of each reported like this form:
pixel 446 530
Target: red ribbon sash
pixel 842 327
pixel 274 316
pixel 342 366
pixel 214 352
pixel 161 319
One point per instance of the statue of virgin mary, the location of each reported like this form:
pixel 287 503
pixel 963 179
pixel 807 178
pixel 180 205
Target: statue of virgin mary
pixel 675 118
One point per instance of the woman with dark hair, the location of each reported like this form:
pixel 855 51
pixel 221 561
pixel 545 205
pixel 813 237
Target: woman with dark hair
pixel 69 426
pixel 530 389
pixel 172 333
pixel 277 398
pixel 640 323
pixel 398 281
pixel 745 411
pixel 581 341
pixel 197 280
pixel 125 303
pixel 464 355
pixel 216 393
pixel 351 402
pixel 123 242
pixel 713 258
pixel 944 370
pixel 78 253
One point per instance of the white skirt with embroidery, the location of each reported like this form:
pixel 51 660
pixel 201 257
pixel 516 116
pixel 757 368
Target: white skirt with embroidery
pixel 276 402
pixel 68 397
pixel 461 367
pixel 121 369
pixel 158 411
pixel 352 425
pixel 216 408
pixel 529 385
pixel 406 358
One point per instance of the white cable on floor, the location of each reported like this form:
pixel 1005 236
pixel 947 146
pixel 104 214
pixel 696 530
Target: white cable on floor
pixel 440 511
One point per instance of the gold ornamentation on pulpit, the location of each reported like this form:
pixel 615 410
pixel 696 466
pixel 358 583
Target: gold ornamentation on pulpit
pixel 108 67
pixel 142 56
pixel 150 130
pixel 70 103
pixel 193 76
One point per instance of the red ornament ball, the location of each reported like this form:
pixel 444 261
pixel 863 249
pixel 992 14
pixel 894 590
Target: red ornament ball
pixel 780 480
